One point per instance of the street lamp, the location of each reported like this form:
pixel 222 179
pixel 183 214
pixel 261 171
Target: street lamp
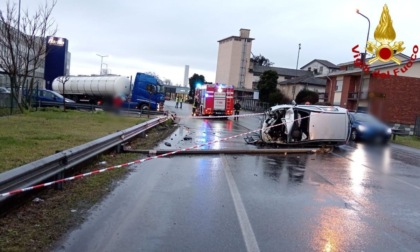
pixel 363 61
pixel 297 63
pixel 102 58
pixel 106 69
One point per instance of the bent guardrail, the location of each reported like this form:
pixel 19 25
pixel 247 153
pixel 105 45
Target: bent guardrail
pixel 42 169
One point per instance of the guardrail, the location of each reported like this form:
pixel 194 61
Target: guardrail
pixel 91 107
pixel 40 170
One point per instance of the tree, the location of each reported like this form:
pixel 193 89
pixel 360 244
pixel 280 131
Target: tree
pixel 194 81
pixel 261 61
pixel 63 80
pixel 306 95
pixel 277 98
pixel 23 45
pixel 267 84
pixel 167 82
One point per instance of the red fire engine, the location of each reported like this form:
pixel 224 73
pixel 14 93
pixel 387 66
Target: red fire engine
pixel 214 99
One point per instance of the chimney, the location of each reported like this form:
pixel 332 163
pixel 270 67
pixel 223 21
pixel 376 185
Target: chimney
pixel 244 33
pixel 187 69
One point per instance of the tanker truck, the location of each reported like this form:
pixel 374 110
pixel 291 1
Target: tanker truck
pixel 146 90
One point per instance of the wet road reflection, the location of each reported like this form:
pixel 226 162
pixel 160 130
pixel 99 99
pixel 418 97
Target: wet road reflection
pixel 358 198
pixel 293 166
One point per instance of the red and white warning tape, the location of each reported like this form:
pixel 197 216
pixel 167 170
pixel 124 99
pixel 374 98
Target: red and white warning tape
pixel 129 163
pixel 223 116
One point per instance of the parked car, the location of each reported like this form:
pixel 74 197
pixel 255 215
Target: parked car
pixel 4 90
pixel 45 95
pixel 365 127
pixel 305 125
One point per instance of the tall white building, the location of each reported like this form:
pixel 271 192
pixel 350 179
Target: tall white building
pixel 186 73
pixel 233 60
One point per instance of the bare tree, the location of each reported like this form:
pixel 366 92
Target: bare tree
pixel 23 47
pixel 63 80
pixel 261 61
pixel 167 82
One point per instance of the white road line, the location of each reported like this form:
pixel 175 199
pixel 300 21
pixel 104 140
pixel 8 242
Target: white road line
pixel 246 228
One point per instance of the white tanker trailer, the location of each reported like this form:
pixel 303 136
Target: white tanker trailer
pixel 93 89
pixel 147 92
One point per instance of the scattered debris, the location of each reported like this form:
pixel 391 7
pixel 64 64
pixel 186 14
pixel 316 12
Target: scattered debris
pixel 102 163
pixel 168 144
pixel 73 210
pixel 187 138
pixel 38 200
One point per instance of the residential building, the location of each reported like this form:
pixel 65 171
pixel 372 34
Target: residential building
pixel 320 67
pixel 393 99
pixel 291 87
pixel 292 81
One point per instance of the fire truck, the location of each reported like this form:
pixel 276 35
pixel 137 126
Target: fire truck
pixel 214 99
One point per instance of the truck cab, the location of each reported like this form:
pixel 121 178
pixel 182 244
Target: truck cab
pixel 147 93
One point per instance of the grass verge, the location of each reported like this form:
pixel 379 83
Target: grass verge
pixel 43 216
pixel 27 137
pixel 410 141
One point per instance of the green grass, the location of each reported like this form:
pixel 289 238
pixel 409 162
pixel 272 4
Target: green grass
pixel 28 137
pixel 38 226
pixel 410 141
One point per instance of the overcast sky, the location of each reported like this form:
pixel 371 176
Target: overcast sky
pixel 163 36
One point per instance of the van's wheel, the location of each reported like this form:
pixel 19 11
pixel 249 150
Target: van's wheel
pixel 353 135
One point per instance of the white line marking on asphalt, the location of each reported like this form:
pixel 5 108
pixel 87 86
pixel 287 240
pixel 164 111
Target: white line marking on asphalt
pixel 246 228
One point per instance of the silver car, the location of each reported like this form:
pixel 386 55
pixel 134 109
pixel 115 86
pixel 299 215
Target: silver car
pixel 305 125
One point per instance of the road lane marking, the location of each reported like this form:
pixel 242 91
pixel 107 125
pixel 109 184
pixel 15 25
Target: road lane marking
pixel 246 228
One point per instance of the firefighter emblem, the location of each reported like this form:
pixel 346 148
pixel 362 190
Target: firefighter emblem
pixel 383 49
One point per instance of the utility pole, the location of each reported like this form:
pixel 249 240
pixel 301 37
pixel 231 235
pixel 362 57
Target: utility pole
pixel 359 91
pixel 102 58
pixel 296 74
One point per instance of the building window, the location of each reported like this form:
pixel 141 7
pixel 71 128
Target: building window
pixel 339 86
pixel 309 69
pixel 321 69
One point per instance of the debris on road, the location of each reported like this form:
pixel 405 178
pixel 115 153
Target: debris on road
pixel 38 200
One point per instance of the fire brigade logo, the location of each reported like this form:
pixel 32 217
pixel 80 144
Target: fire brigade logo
pixel 384 36
pixel 384 49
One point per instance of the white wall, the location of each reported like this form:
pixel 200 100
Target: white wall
pixel 317 65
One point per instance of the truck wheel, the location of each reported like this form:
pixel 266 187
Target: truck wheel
pixel 143 107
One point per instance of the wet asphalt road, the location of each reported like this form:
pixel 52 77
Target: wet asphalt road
pixel 358 198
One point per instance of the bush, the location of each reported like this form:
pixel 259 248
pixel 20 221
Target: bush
pixel 277 98
pixel 307 95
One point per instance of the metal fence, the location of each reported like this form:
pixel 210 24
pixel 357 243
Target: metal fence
pixel 254 105
pixel 5 105
pixel 417 126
